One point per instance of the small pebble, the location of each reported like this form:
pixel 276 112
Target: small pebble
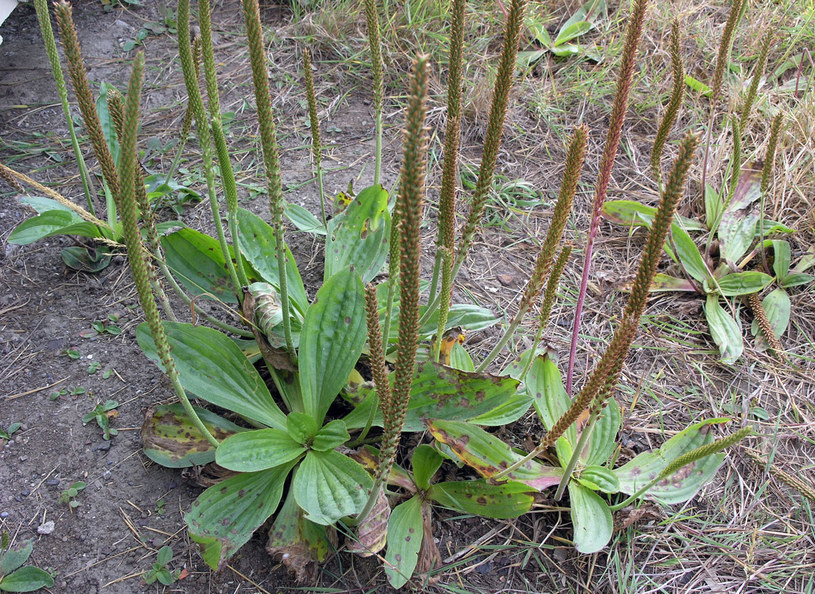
pixel 23 458
pixel 46 527
pixel 4 515
pixel 52 482
pixel 25 492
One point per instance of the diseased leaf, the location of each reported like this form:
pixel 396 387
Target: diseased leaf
pixel 666 282
pixel 226 515
pixel 329 486
pixel 372 533
pixel 334 332
pixel 683 485
pixel 591 517
pixel 252 451
pixel 211 366
pixel 725 331
pixel 507 500
pixel 359 236
pixel 368 457
pixel 488 455
pixel 404 540
pixel 170 438
pixel 510 411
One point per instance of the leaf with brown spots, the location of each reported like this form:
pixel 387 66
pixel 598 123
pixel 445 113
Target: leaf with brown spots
pixel 507 500
pixel 405 533
pixel 372 533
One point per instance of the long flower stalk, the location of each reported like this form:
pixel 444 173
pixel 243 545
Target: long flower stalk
pixel 316 145
pixel 624 83
pixel 271 155
pixel 126 203
pixel 44 20
pixel 563 207
pixel 377 70
pixel 674 103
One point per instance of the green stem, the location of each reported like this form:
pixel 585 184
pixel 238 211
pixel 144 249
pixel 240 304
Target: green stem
pixel 581 443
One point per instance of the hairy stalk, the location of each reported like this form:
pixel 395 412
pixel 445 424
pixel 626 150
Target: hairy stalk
pixel 316 145
pixel 447 200
pixel 766 178
pixel 790 480
pixel 231 193
pixel 672 110
pixel 604 378
pixel 9 173
pixel 758 72
pixel 393 277
pixel 381 383
pixel 188 112
pixel 624 84
pixel 688 458
pixel 765 326
pixel 563 207
pixel 126 203
pixel 271 156
pixel 202 127
pixel 409 207
pixel 377 68
pixel 722 57
pixel 44 20
pixel 84 96
pixel 549 296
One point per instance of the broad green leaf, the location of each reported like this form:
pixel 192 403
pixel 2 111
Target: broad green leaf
pixel 781 258
pixel 297 542
pixel 572 31
pixel 301 427
pixel 488 455
pixel 806 262
pixel 91 260
pixel 226 515
pixel 510 411
pixel 303 219
pixel 599 478
pixel 530 58
pixel 106 121
pixel 725 331
pixel 261 449
pixel 504 501
pixel 713 206
pixel 591 517
pixel 333 435
pixel 681 486
pixel 405 533
pixel 27 579
pixel 538 30
pixel 565 50
pixel 688 254
pixel 334 332
pixel 14 559
pixel 666 282
pixel 469 317
pixel 257 242
pixel 777 306
pixel 442 393
pixel 211 366
pixel 698 86
pixel 359 236
pixel 49 223
pixel 42 204
pixel 736 233
pixel 797 279
pixel 633 213
pixel 197 262
pixel 329 486
pixel 425 461
pixel 744 283
pixel 169 437
pixel 602 441
pixel 591 11
pixel 460 358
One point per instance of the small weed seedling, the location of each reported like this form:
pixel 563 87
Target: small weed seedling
pixel 102 414
pixel 159 571
pixel 69 495
pixel 5 434
pixel 72 353
pixel 13 576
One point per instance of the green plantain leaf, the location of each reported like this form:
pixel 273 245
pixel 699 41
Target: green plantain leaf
pixel 261 449
pixel 331 341
pixel 510 411
pixel 591 517
pixel 359 236
pixel 198 263
pixel 504 501
pixel 49 223
pixel 713 207
pixel 226 515
pixel 726 331
pixel 301 427
pixel 684 484
pixel 633 213
pixel 797 279
pixel 257 242
pixel 781 258
pixel 743 283
pixel 169 437
pixel 329 486
pixel 211 366
pixel 488 455
pixel 303 219
pixel 777 306
pixel 405 533
pixel 442 393
pixel 333 435
pixel 736 233
pixel 26 579
pixel 666 282
pixel 426 461
pixel 14 559
pixel 599 478
pixel 602 441
pixel 460 358
pixel 689 256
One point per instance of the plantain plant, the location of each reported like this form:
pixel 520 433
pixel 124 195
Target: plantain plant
pixel 304 438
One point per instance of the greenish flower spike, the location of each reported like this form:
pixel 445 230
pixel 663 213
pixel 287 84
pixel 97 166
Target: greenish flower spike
pixel 314 121
pixel 672 110
pixel 377 68
pixel 758 72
